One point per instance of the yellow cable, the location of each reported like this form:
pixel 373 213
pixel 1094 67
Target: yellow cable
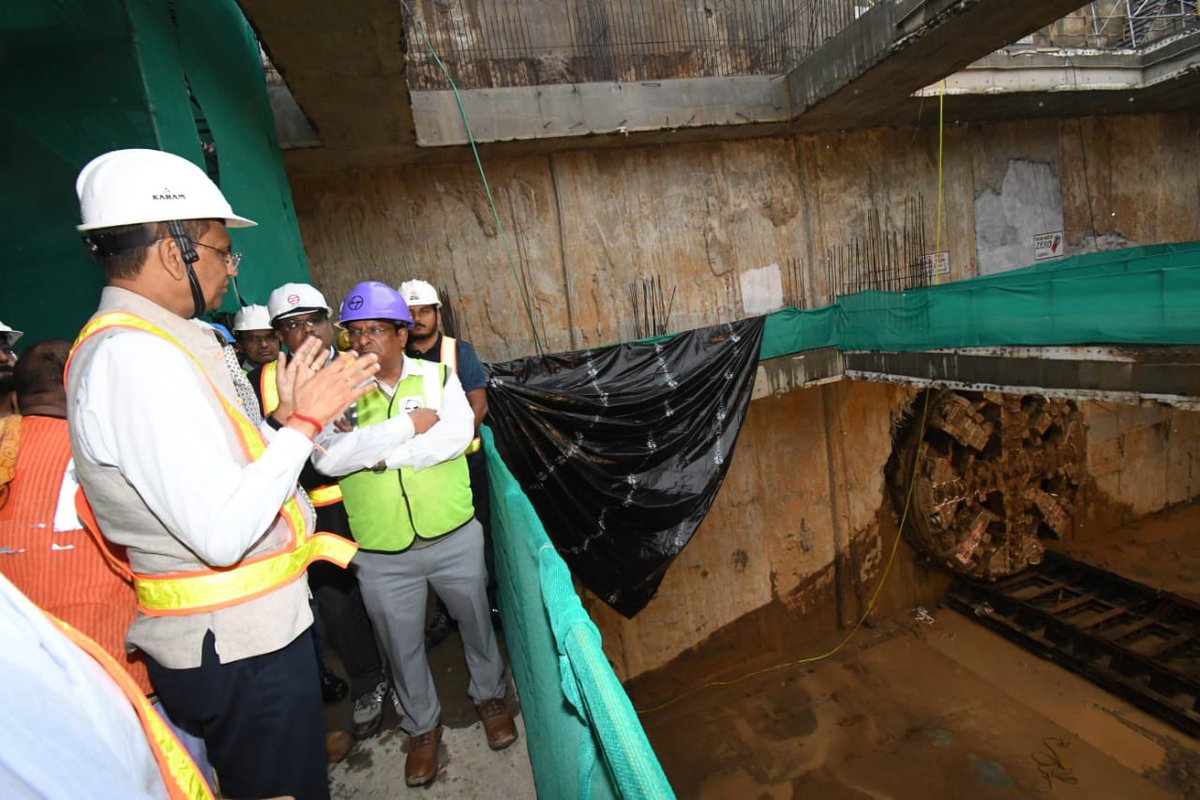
pixel 937 238
pixel 862 618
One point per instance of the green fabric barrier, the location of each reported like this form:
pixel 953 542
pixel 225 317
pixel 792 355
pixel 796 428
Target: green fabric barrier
pixel 584 737
pixel 90 77
pixel 1139 295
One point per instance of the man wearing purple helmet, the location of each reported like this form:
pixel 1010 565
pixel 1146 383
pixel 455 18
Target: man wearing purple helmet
pixel 405 485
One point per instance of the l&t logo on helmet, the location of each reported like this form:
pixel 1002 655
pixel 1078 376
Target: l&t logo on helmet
pixel 355 302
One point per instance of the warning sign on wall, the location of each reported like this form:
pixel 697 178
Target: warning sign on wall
pixel 936 263
pixel 1047 245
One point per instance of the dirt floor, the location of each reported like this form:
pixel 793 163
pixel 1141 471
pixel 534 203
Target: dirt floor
pixel 1162 550
pixel 940 708
pixel 374 767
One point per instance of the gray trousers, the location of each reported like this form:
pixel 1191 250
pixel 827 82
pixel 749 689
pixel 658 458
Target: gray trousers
pixel 394 589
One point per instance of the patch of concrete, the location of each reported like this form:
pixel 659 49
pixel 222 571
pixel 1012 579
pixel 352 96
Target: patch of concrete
pixel 467 768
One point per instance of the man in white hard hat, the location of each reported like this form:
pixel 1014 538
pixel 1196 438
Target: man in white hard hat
pixel 299 311
pixel 8 360
pixel 203 500
pixel 427 342
pixel 256 339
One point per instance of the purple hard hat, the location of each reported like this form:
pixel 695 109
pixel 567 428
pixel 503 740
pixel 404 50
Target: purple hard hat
pixel 375 300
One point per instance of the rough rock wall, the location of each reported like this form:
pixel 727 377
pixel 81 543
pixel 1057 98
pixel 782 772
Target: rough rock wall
pixel 582 226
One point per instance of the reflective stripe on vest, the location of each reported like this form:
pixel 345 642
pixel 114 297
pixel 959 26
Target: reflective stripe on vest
pixel 449 353
pixel 325 495
pixel 268 389
pixel 180 775
pixel 193 591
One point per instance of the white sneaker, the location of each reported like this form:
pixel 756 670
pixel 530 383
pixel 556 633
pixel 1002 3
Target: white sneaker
pixel 368 712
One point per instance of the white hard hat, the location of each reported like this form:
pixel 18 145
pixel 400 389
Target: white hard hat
pixel 419 293
pixel 127 187
pixel 10 334
pixel 295 298
pixel 252 318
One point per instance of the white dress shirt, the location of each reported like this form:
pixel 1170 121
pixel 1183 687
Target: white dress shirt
pixel 69 731
pixel 393 441
pixel 137 386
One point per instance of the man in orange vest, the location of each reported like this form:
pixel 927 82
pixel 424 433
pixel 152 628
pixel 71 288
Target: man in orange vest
pixel 217 535
pixel 47 553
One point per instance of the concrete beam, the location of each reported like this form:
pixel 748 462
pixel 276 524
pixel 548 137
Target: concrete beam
pixel 1058 71
pixel 583 109
pixel 857 78
pixel 344 68
pixel 1120 373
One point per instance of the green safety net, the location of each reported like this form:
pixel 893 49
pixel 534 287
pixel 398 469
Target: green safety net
pixel 584 738
pixel 87 77
pixel 1138 295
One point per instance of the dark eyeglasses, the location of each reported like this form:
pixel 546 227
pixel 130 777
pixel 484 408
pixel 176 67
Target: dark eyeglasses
pixel 296 323
pixel 370 331
pixel 232 259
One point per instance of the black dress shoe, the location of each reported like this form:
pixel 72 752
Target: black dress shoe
pixel 439 627
pixel 333 688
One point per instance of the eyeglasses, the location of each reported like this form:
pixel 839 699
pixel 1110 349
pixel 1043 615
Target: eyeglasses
pixel 296 323
pixel 232 259
pixel 369 332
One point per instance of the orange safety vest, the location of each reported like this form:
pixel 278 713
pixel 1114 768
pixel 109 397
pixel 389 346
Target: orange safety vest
pixel 268 390
pixel 63 572
pixel 194 591
pixel 449 354
pixel 180 774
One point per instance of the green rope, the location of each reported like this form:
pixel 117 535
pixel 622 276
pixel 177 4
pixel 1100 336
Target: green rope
pixel 537 341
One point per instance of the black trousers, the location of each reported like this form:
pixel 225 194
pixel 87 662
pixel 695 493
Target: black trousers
pixel 261 718
pixel 482 499
pixel 346 624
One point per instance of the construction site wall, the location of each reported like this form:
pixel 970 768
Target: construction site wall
pixel 801 530
pixel 734 228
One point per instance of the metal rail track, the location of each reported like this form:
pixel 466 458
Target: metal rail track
pixel 1135 641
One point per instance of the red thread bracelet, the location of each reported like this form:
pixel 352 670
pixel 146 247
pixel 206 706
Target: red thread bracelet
pixel 305 418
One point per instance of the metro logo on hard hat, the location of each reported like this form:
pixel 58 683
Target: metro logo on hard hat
pixel 296 298
pixel 375 300
pixel 420 293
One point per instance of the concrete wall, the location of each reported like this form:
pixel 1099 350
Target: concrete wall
pixel 581 226
pixel 801 529
pixel 798 537
pixel 1142 458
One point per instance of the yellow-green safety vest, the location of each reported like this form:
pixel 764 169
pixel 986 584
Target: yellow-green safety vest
pixel 390 508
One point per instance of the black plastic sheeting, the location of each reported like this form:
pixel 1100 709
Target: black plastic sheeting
pixel 622 449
